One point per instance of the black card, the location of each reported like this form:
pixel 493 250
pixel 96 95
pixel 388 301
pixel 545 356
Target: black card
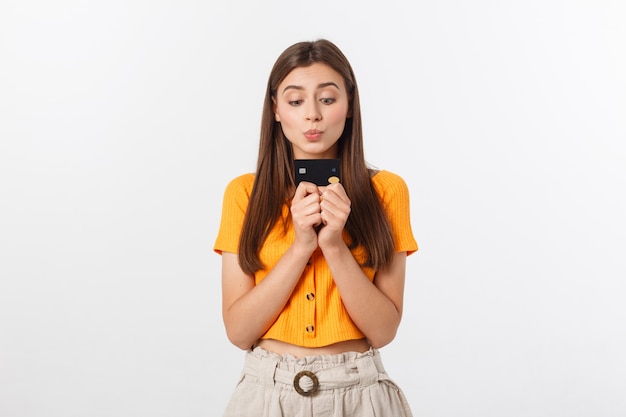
pixel 318 171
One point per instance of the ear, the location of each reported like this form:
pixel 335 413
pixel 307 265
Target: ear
pixel 276 115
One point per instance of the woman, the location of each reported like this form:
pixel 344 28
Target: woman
pixel 313 276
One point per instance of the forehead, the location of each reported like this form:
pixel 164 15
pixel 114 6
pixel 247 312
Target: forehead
pixel 311 77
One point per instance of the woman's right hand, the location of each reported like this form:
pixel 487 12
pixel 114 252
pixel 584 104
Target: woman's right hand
pixel 306 215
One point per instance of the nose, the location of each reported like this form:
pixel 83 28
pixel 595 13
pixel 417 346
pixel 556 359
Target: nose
pixel 313 113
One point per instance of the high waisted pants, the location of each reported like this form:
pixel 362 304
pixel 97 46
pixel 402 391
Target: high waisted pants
pixel 345 385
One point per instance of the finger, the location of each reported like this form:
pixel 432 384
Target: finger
pixel 333 207
pixel 308 205
pixel 329 210
pixel 307 222
pixel 338 190
pixel 304 189
pixel 335 199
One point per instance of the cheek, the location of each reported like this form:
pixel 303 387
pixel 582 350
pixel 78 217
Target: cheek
pixel 338 116
pixel 284 117
pixel 288 112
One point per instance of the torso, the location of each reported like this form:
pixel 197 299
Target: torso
pixel 281 348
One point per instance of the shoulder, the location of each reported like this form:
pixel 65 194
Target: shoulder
pixel 388 183
pixel 238 191
pixel 240 185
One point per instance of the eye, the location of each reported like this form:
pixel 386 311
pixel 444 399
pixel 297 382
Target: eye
pixel 295 103
pixel 327 100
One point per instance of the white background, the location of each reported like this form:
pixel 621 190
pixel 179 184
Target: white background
pixel 122 121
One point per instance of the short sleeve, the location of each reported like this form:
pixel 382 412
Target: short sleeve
pixel 394 195
pixel 234 206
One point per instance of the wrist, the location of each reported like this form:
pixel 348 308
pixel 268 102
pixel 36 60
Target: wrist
pixel 303 250
pixel 331 247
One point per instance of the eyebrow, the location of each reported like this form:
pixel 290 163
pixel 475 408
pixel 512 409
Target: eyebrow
pixel 322 85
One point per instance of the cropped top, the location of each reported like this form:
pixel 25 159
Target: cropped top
pixel 314 316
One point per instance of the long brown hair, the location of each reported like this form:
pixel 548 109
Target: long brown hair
pixel 273 186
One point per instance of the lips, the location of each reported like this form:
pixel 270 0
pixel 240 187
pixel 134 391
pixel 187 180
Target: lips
pixel 313 134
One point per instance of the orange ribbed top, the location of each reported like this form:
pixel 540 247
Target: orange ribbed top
pixel 314 316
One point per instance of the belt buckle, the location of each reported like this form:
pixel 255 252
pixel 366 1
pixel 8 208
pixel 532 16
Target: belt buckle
pixel 298 388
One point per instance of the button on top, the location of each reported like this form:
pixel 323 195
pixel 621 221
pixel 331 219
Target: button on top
pixel 310 328
pixel 310 296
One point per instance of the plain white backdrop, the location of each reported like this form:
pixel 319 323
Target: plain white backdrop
pixel 122 121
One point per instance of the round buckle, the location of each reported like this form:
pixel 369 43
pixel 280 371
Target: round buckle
pixel 298 388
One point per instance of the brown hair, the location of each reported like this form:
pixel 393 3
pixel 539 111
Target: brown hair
pixel 273 186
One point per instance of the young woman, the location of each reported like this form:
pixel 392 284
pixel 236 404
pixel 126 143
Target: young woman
pixel 313 276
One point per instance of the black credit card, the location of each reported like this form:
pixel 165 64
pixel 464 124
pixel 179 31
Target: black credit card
pixel 318 171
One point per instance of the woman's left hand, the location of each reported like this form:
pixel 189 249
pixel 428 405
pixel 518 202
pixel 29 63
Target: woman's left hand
pixel 335 209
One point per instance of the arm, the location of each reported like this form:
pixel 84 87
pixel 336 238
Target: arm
pixel 375 307
pixel 249 309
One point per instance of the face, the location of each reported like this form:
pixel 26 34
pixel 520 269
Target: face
pixel 312 105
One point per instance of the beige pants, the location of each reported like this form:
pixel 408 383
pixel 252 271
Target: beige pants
pixel 350 384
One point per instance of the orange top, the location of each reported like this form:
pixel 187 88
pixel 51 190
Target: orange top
pixel 314 315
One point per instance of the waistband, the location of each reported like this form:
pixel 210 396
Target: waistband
pixel 315 373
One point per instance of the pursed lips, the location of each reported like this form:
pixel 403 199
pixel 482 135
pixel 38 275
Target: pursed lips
pixel 312 134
